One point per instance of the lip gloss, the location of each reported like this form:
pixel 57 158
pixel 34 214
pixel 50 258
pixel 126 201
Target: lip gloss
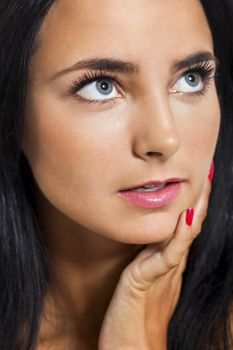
pixel 153 199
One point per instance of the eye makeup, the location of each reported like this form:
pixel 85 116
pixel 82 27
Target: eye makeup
pixel 90 77
pixel 206 70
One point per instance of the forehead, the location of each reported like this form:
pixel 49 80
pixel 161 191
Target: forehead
pixel 141 29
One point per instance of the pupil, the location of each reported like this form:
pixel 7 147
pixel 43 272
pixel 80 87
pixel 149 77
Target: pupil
pixel 192 79
pixel 104 87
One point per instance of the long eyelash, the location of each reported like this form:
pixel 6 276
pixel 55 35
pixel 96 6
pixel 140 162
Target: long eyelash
pixel 89 77
pixel 207 71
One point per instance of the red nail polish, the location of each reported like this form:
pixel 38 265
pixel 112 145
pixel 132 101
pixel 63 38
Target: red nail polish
pixel 211 171
pixel 189 216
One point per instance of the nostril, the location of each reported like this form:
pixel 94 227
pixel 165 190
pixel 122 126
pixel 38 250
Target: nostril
pixel 152 154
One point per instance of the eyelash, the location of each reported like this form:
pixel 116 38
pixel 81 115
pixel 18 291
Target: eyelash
pixel 206 70
pixel 89 77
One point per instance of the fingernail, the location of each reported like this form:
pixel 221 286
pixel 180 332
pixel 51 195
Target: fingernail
pixel 211 171
pixel 189 216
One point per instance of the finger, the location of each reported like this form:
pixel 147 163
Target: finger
pixel 151 249
pixel 153 262
pixel 182 265
pixel 144 272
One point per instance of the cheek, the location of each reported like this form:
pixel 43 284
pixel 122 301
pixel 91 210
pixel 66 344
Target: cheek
pixel 198 122
pixel 76 164
pixel 199 137
pixel 67 152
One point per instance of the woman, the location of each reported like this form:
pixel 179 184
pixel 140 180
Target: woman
pixel 110 119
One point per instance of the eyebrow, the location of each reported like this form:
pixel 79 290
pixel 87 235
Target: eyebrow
pixel 120 66
pixel 190 60
pixel 105 64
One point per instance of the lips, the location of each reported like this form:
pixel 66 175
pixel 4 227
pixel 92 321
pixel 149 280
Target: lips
pixel 152 183
pixel 152 194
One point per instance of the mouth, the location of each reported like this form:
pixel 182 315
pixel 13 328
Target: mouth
pixel 152 186
pixel 152 194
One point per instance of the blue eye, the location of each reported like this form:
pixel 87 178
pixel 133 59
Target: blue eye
pixel 196 79
pixel 99 89
pixel 104 87
pixel 192 79
pixel 188 83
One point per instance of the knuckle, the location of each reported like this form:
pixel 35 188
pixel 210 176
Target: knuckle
pixel 133 282
pixel 187 240
pixel 172 261
pixel 184 262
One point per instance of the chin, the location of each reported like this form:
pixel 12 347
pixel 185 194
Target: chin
pixel 152 232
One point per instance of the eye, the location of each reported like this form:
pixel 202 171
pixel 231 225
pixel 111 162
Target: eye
pixel 189 83
pixel 99 89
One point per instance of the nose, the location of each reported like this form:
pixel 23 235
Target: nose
pixel 156 134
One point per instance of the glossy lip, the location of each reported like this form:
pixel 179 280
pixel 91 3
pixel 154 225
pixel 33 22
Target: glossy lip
pixel 155 183
pixel 153 199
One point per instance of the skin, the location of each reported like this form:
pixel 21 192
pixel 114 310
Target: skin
pixel 82 154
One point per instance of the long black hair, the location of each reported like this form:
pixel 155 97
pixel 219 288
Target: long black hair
pixel 202 317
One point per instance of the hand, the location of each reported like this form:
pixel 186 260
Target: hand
pixel 148 290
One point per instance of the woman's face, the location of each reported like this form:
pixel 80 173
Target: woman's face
pixel 153 116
